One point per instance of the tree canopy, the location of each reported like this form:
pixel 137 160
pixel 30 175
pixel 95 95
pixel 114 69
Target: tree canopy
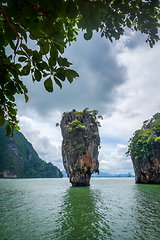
pixel 53 26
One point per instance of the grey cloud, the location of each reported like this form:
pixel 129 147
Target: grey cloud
pixel 96 88
pixel 135 39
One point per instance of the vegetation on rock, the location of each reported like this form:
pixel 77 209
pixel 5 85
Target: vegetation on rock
pixel 52 26
pixel 144 139
pixel 19 158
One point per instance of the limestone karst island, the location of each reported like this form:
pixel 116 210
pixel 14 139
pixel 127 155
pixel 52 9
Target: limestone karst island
pixel 80 145
pixel 144 150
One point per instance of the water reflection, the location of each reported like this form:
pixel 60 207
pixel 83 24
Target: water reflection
pixel 80 218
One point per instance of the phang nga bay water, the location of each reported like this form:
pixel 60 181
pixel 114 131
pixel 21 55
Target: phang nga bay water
pixel 111 208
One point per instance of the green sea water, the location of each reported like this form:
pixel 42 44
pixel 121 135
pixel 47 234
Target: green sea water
pixel 111 208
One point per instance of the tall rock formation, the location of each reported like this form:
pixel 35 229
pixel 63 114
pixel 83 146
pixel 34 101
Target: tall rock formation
pixel 80 146
pixel 144 149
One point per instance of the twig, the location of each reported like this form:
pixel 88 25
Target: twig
pixel 40 10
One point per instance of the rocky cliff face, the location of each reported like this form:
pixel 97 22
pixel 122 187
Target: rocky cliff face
pixel 147 170
pixel 80 146
pixel 144 149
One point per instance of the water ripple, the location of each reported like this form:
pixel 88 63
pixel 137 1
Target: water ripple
pixel 110 209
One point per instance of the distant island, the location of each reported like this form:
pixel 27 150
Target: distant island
pixel 103 174
pixel 18 159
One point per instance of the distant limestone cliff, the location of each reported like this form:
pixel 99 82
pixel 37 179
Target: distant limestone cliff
pixel 80 145
pixel 18 159
pixel 144 149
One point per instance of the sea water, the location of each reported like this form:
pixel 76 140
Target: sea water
pixel 111 208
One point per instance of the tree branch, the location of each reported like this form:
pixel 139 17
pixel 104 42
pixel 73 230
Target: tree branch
pixel 40 10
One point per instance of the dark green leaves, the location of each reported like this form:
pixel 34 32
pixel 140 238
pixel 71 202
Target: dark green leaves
pixel 58 82
pixel 70 74
pixel 26 49
pixel 22 59
pixel 8 129
pixel 26 70
pixel 88 34
pixel 60 74
pixel 37 75
pixel 2 118
pixel 48 84
pixel 63 62
pixel 53 52
pixel 129 24
pixel 51 26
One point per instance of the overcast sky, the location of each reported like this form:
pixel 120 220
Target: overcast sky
pixel 121 80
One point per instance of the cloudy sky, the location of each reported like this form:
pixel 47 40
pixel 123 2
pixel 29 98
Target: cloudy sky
pixel 121 80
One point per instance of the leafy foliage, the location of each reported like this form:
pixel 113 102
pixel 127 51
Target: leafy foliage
pixel 18 156
pixel 52 26
pixel 77 124
pixel 143 140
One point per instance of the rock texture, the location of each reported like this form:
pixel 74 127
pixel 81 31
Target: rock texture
pixel 148 169
pixel 80 146
pixel 144 149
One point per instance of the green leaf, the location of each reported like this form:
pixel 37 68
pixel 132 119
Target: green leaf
pixel 88 34
pixel 129 23
pixel 44 48
pixel 58 82
pixel 63 62
pixel 12 45
pixel 20 52
pixel 53 52
pixel 8 129
pixel 18 66
pixel 22 59
pixel 69 77
pixel 37 56
pixel 52 62
pixel 26 49
pixel 26 70
pixel 2 122
pixel 60 74
pixel 17 128
pixel 59 47
pixel 38 34
pixel 2 119
pixel 48 84
pixel 71 10
pixel 37 75
pixel 11 98
pixel 72 73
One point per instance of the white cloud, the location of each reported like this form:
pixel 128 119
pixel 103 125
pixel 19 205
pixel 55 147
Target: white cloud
pixel 116 161
pixel 45 138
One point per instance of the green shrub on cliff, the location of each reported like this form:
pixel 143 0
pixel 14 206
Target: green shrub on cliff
pixel 75 125
pixel 143 140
